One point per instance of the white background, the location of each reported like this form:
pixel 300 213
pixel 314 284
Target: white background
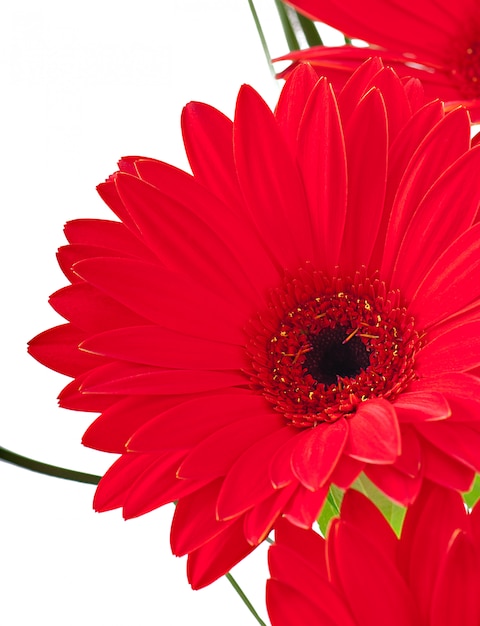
pixel 83 84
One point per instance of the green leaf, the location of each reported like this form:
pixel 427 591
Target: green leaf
pixel 394 513
pixel 331 508
pixel 310 31
pixel 472 496
pixel 262 36
pixel 290 36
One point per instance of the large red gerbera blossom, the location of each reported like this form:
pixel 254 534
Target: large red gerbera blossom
pixel 363 575
pixel 303 308
pixel 437 41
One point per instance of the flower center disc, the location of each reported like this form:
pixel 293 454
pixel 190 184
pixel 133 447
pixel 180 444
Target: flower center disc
pixel 333 355
pixel 327 344
pixel 467 71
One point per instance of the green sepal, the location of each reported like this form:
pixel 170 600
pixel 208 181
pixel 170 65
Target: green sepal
pixel 472 496
pixel 331 508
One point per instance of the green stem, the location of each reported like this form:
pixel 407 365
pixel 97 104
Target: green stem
pixel 44 468
pixel 309 30
pixel 290 36
pixel 262 36
pixel 247 602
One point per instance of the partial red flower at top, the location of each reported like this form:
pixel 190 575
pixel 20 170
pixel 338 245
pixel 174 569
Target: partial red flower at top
pixel 437 41
pixel 363 575
pixel 304 307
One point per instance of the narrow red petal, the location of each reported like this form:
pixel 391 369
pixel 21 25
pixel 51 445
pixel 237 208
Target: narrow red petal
pixel 214 455
pixel 217 557
pixel 92 311
pixel 164 298
pixel 324 170
pixel 292 101
pixel 247 483
pixel 366 152
pixel 194 521
pixel 456 350
pixel 187 424
pixel 161 347
pixel 455 598
pixel 288 607
pixel 261 518
pixel 270 180
pixel 208 138
pixel 128 378
pixel 57 348
pixel 452 282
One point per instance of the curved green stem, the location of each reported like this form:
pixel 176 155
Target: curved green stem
pixel 262 36
pixel 290 36
pixel 247 602
pixel 309 30
pixel 44 468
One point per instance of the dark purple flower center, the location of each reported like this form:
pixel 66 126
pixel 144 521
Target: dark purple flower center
pixel 335 353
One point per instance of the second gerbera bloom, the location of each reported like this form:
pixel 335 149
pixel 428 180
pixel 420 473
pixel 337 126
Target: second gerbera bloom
pixel 303 308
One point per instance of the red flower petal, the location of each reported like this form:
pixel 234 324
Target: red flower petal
pixel 375 590
pixel 288 607
pixel 421 406
pixel 324 171
pixel 455 598
pixel 441 468
pixel 215 454
pixel 397 485
pixel 159 296
pixel 452 281
pixel 365 197
pixel 315 456
pixel 374 434
pixel 208 138
pixel 161 347
pixel 247 483
pixel 194 521
pixel 270 181
pixel 217 557
pixel 456 350
pixel 128 378
pixel 57 348
pixel 185 425
pixel 304 507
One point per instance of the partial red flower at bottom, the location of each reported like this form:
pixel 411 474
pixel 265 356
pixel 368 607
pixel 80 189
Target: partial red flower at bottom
pixel 436 41
pixel 363 575
pixel 304 307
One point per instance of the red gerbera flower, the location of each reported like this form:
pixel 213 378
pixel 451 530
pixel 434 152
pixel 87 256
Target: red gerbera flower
pixel 303 308
pixel 362 574
pixel 437 41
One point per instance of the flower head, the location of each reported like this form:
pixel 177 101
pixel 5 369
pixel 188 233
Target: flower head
pixel 437 42
pixel 304 307
pixel 362 574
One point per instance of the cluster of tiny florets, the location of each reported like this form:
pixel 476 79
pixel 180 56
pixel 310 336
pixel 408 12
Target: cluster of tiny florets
pixel 313 318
